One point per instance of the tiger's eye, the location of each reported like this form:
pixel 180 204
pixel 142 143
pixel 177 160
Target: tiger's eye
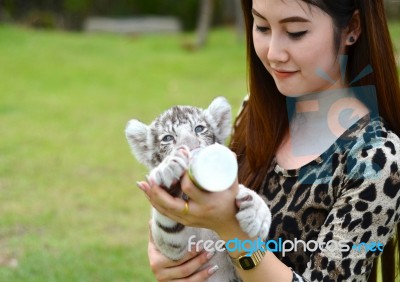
pixel 199 129
pixel 168 138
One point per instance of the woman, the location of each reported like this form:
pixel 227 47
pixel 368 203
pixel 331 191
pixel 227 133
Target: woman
pixel 321 185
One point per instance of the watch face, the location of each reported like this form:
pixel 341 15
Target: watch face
pixel 246 263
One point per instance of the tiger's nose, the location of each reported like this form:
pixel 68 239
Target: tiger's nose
pixel 190 141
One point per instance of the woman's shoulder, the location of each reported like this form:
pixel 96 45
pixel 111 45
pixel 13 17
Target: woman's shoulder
pixel 375 152
pixel 372 134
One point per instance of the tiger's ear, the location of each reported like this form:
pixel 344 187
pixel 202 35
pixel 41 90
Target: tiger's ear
pixel 219 116
pixel 136 134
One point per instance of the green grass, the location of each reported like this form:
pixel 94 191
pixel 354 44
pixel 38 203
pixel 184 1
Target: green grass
pixel 70 210
pixel 69 206
pixel 394 28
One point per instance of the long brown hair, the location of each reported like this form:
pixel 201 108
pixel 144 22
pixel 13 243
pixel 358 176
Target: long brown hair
pixel 264 119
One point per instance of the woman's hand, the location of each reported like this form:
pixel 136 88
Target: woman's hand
pixel 205 209
pixel 185 269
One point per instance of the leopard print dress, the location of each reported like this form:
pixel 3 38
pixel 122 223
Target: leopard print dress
pixel 349 193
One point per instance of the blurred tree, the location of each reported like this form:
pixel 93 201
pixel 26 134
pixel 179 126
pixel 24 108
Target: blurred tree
pixel 75 12
pixel 205 17
pixel 38 13
pixel 239 20
pixel 392 9
pixel 200 14
pixel 70 14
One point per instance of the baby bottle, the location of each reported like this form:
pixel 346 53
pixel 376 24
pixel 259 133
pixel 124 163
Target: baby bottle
pixel 213 168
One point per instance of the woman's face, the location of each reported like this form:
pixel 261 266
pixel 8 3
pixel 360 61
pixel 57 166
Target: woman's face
pixel 294 41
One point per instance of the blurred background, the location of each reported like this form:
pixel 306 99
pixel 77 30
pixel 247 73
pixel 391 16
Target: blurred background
pixel 72 73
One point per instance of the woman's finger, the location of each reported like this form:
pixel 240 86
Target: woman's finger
pixel 201 275
pixel 144 186
pixel 159 261
pixel 173 207
pixel 187 268
pixel 191 190
pixel 187 212
pixel 161 197
pixel 166 269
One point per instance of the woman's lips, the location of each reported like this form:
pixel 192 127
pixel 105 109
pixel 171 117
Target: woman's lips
pixel 282 74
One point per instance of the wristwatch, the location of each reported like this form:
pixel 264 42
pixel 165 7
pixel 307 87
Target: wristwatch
pixel 246 261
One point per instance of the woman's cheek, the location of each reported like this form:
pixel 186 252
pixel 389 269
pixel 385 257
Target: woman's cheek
pixel 261 48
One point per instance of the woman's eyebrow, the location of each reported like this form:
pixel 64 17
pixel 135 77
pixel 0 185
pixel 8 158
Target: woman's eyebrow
pixel 294 19
pixel 285 20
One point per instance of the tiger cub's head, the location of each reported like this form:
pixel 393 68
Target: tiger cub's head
pixel 177 126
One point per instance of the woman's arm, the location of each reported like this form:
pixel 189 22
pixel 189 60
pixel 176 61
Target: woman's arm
pixel 188 268
pixel 270 269
pixel 214 211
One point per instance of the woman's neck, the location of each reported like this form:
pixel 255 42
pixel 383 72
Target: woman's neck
pixel 319 119
pixel 334 107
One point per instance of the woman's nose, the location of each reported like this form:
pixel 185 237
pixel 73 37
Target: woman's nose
pixel 277 51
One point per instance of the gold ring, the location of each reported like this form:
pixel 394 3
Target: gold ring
pixel 186 208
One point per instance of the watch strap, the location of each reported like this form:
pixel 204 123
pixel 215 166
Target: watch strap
pixel 246 261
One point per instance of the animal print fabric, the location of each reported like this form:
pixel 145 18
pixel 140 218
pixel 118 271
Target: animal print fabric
pixel 350 192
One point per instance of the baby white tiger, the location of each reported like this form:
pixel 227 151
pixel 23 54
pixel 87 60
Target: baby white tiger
pixel 157 146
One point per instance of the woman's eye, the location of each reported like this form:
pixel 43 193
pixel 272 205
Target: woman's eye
pixel 199 129
pixel 297 35
pixel 168 138
pixel 262 29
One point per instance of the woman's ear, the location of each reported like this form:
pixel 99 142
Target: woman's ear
pixel 353 30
